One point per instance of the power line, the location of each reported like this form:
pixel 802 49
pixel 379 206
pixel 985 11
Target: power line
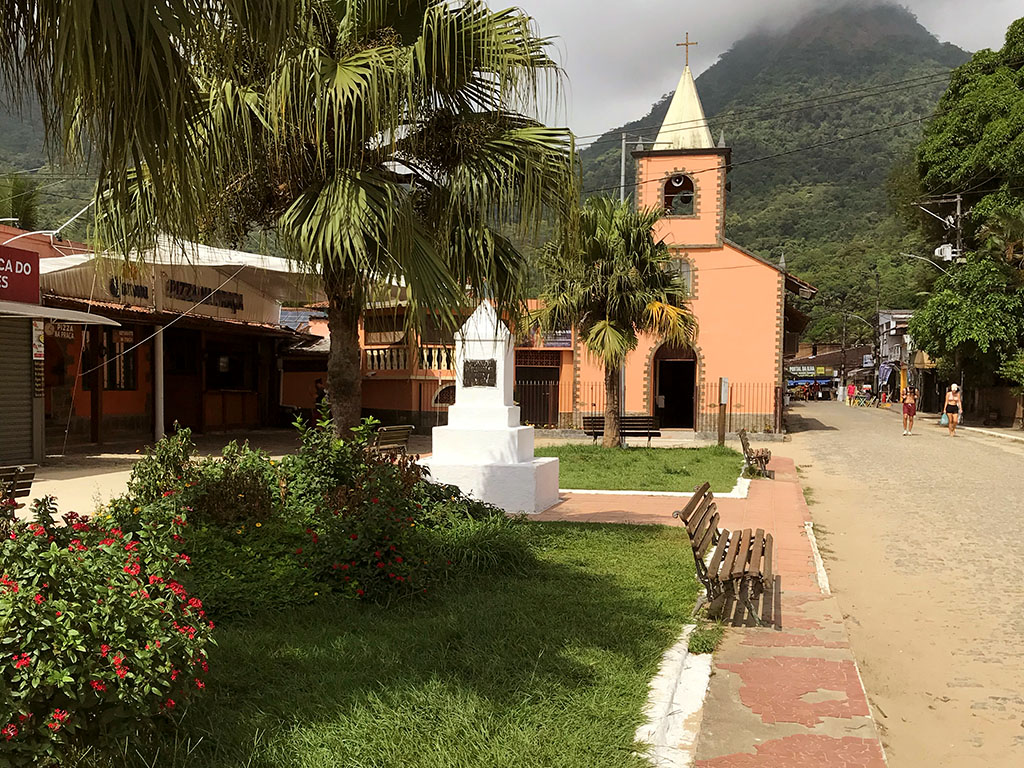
pixel 799 105
pixel 866 91
pixel 786 153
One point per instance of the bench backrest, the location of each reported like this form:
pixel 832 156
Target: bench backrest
pixel 392 438
pixel 638 422
pixel 745 442
pixel 16 482
pixel 630 423
pixel 700 516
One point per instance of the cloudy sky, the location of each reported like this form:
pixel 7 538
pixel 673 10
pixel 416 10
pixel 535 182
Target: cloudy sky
pixel 621 56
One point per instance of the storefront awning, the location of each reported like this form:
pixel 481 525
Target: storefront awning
pixel 18 309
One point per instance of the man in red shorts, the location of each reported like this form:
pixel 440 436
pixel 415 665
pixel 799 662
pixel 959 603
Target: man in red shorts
pixel 909 410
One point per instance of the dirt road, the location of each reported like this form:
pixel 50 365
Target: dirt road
pixel 923 540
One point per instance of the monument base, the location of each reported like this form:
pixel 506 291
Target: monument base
pixel 529 487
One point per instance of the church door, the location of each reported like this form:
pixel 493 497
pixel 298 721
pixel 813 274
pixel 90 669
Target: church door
pixel 677 390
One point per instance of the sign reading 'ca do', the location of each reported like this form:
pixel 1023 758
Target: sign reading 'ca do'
pixel 19 275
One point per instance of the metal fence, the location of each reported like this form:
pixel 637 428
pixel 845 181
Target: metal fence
pixel 753 407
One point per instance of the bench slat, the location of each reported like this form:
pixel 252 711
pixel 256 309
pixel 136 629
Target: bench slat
pixel 766 576
pixel 730 554
pixel 698 514
pixel 709 534
pixel 739 565
pixel 715 565
pixel 700 530
pixel 756 554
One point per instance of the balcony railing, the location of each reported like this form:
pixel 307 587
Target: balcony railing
pixel 437 358
pixel 387 359
pixel 400 358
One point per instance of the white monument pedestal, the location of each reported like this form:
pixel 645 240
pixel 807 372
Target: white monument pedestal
pixel 483 450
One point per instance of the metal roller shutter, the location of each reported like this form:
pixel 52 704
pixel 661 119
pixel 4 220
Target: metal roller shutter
pixel 15 391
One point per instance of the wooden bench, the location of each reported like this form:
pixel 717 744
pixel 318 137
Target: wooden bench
pixel 392 439
pixel 16 483
pixel 629 426
pixel 756 459
pixel 741 562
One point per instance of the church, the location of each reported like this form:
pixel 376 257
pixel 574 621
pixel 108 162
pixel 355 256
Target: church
pixel 738 297
pixel 745 322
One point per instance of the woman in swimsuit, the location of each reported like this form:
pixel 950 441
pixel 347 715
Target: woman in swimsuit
pixel 909 410
pixel 954 407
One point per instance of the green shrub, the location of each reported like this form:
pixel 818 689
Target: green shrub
pixel 251 568
pixel 331 518
pixel 242 485
pixel 494 544
pixel 167 464
pixel 99 635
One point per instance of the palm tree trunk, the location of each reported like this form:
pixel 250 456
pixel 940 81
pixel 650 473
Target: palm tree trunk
pixel 344 373
pixel 611 407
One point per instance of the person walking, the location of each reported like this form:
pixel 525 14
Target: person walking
pixel 851 394
pixel 909 398
pixel 954 408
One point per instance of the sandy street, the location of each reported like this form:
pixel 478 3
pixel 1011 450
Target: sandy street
pixel 923 539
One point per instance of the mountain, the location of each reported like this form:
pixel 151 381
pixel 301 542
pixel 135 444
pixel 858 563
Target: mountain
pixel 833 74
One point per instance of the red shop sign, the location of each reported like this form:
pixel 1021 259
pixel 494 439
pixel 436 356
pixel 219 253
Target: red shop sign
pixel 19 275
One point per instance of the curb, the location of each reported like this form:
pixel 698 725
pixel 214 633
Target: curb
pixel 993 433
pixel 739 491
pixel 675 706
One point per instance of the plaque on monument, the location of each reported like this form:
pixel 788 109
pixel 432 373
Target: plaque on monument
pixel 480 373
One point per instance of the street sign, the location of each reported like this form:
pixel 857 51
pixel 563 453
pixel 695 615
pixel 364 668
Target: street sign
pixel 19 275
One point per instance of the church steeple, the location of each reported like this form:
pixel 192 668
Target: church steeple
pixel 685 125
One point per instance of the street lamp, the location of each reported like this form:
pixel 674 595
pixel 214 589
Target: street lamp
pixel 929 261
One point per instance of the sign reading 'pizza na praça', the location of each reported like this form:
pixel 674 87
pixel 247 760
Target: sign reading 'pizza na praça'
pixel 19 275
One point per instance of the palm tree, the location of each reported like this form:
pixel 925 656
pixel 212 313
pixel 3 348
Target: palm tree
pixel 1003 233
pixel 616 284
pixel 19 200
pixel 387 142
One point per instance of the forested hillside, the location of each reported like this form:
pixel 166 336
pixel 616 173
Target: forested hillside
pixel 61 192
pixel 834 75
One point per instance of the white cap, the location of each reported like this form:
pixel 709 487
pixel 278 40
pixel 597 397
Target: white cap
pixel 955 387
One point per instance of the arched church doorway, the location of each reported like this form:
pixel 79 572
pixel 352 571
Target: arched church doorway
pixel 675 391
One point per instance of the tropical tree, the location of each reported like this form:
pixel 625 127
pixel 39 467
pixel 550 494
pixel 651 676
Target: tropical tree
pixel 973 145
pixel 974 321
pixel 614 283
pixel 1003 233
pixel 19 200
pixel 388 143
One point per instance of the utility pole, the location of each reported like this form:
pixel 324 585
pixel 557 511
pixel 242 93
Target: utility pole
pixel 622 172
pixel 877 340
pixel 959 226
pixel 845 383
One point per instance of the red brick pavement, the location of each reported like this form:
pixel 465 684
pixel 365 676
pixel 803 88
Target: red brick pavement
pixel 788 695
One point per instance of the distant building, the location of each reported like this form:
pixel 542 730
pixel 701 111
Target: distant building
pixel 895 352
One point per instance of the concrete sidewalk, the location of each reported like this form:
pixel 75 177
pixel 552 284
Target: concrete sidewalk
pixel 784 696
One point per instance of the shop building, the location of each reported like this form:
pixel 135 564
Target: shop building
pixel 23 326
pixel 195 339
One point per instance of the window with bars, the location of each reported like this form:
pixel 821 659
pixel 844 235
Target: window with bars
pixel 121 369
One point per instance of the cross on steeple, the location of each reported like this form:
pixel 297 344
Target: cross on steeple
pixel 686 45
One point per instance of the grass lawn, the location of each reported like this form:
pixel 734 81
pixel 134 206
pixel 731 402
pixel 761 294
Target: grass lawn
pixel 545 669
pixel 591 467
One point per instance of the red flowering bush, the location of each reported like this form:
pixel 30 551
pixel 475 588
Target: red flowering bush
pixel 99 635
pixel 362 536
